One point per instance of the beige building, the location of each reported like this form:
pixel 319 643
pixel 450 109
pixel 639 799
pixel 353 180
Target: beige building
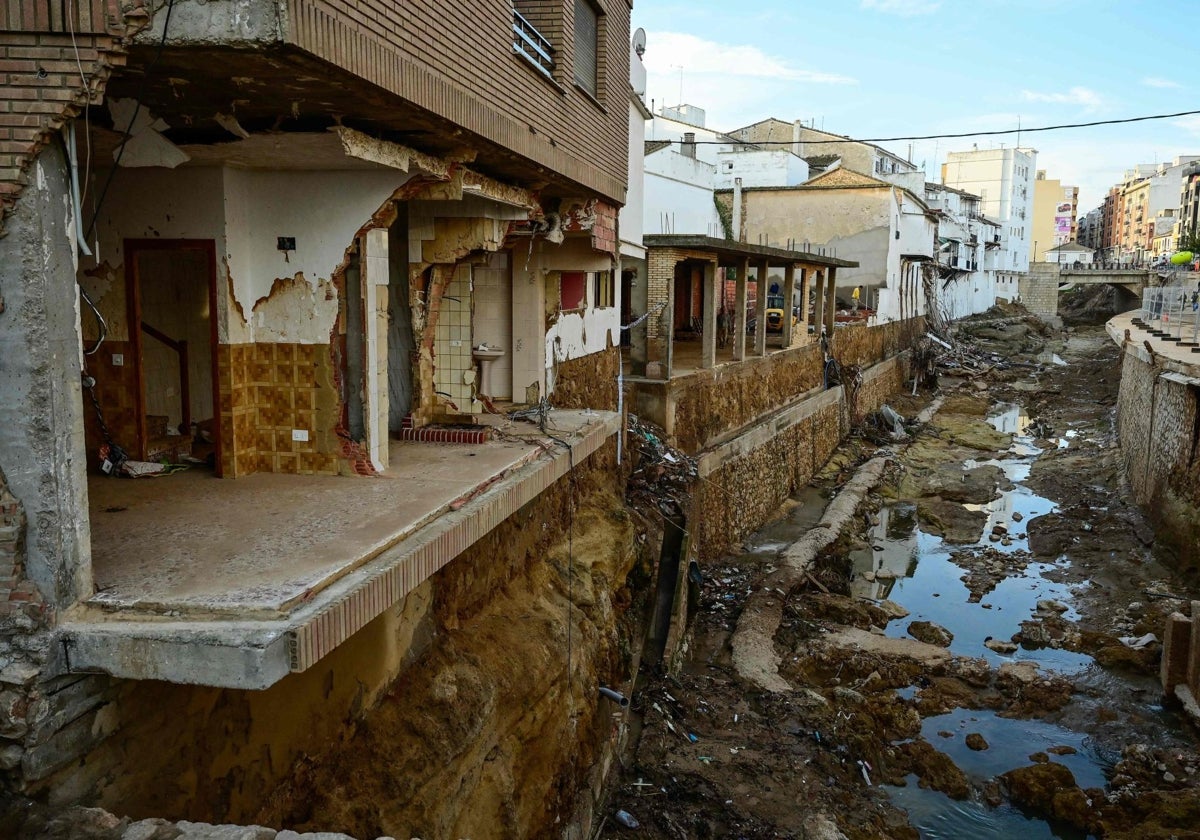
pixel 887 230
pixel 1055 207
pixel 827 148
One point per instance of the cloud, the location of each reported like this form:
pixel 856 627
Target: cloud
pixel 1156 82
pixel 904 8
pixel 1189 123
pixel 697 56
pixel 1075 96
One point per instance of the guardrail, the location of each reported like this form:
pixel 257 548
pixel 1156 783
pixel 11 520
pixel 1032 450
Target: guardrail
pixel 532 45
pixel 1173 312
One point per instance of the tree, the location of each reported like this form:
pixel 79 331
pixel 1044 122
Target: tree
pixel 1189 241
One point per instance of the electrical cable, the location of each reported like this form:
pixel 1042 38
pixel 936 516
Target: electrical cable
pixel 997 133
pixel 137 107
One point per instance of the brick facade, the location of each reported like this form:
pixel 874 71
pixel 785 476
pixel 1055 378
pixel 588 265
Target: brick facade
pixel 50 72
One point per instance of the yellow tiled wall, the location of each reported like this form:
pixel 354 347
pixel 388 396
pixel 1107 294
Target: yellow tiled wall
pixel 267 392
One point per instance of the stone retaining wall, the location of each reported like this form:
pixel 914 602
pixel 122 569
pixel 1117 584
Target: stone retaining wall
pixel 1159 428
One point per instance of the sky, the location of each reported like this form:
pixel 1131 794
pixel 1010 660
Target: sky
pixel 887 68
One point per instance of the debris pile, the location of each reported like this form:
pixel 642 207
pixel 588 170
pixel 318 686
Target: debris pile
pixel 662 476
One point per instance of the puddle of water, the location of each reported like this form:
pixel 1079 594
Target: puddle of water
pixel 1051 359
pixel 777 536
pixel 1011 742
pixel 933 591
pixel 938 817
pixel 1008 418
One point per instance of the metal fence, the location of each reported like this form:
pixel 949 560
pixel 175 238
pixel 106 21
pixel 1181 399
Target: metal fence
pixel 1173 311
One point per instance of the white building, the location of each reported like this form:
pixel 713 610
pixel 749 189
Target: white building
pixel 969 246
pixel 1003 180
pixel 632 215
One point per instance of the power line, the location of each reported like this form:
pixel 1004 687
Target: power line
pixel 1018 130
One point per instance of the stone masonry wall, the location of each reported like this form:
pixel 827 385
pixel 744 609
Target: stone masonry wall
pixel 1159 427
pixel 1038 289
pixel 744 492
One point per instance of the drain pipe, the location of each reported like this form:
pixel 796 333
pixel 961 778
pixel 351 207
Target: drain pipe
pixel 615 696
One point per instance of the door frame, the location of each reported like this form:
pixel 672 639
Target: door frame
pixel 133 299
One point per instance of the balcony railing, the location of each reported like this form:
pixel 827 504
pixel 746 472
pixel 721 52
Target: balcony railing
pixel 532 45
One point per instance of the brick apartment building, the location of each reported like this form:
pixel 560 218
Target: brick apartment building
pixel 304 231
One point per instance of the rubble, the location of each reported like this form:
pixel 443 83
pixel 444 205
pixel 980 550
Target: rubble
pixel 662 476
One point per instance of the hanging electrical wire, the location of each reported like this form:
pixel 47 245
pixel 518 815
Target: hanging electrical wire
pixel 952 136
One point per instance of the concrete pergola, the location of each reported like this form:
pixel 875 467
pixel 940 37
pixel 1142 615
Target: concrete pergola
pixel 657 295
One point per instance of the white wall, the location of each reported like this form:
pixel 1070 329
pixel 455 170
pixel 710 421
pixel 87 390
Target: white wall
pixel 768 168
pixel 323 211
pixel 679 195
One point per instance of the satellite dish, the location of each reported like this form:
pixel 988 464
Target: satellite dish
pixel 639 41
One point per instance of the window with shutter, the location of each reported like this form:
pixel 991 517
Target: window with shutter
pixel 587 30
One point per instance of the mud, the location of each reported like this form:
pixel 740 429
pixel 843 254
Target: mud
pixel 1021 564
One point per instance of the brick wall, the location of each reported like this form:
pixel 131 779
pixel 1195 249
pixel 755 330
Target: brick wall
pixel 455 58
pixel 48 75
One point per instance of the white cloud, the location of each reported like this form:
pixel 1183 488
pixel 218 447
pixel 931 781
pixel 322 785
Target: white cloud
pixel 1075 96
pixel 1189 123
pixel 904 8
pixel 697 56
pixel 1156 82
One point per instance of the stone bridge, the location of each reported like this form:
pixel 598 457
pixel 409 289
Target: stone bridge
pixel 1040 287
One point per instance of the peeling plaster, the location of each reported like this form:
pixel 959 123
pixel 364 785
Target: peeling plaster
pixel 295 310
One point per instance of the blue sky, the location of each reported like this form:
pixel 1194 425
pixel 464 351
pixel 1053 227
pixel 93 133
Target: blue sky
pixel 883 68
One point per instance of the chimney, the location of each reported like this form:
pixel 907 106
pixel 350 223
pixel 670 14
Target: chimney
pixel 688 147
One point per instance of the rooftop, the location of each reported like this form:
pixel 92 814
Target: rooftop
pixel 730 252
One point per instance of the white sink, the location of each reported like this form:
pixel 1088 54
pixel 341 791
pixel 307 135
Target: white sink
pixel 488 355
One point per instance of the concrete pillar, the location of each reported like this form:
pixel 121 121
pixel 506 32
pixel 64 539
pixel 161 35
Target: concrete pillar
pixel 669 324
pixel 42 451
pixel 805 280
pixel 739 321
pixel 708 336
pixel 830 300
pixel 375 277
pixel 639 338
pixel 760 330
pixel 1176 652
pixel 789 286
pixel 1193 666
pixel 819 304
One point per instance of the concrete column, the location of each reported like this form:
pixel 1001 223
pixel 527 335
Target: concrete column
pixel 1176 652
pixel 639 338
pixel 830 300
pixel 375 276
pixel 760 330
pixel 819 304
pixel 804 283
pixel 739 320
pixel 42 450
pixel 789 285
pixel 1193 666
pixel 669 324
pixel 708 336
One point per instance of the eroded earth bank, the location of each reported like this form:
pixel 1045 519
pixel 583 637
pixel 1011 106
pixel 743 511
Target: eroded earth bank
pixel 975 655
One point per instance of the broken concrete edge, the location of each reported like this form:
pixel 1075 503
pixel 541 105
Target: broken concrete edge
pixel 753 643
pixel 255 655
pixel 1116 331
pixel 99 824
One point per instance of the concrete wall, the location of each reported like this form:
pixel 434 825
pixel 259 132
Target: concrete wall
pixel 1157 421
pixel 760 168
pixel 41 412
pixel 679 195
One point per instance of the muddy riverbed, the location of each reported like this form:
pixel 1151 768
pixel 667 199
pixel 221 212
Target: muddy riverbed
pixel 972 659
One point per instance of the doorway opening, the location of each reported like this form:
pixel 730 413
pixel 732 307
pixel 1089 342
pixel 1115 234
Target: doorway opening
pixel 171 291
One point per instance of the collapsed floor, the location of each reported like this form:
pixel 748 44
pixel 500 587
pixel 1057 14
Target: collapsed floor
pixel 885 729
